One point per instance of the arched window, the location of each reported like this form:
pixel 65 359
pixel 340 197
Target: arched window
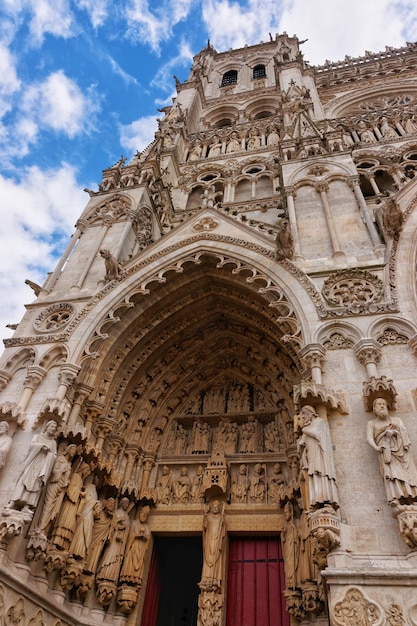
pixel 230 78
pixel 259 71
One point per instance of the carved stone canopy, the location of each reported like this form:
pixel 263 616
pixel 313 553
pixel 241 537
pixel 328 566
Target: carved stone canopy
pixel 379 388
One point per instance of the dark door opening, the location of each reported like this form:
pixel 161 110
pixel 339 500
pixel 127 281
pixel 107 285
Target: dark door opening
pixel 179 563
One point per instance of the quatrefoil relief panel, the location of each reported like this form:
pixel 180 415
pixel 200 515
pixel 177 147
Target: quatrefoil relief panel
pixel 54 317
pixel 348 288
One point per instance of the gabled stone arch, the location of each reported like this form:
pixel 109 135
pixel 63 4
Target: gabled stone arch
pixel 392 330
pixel 116 207
pixel 346 104
pixel 263 278
pixel 55 356
pixel 20 359
pixel 338 334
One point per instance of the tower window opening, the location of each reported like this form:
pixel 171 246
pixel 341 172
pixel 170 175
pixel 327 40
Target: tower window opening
pixel 229 78
pixel 259 71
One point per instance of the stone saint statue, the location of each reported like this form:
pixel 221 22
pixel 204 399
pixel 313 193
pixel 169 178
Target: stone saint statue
pixel 214 531
pixel 5 442
pixel 55 489
pixel 71 509
pixel 318 474
pixel 388 435
pixel 36 468
pixel 290 546
pixel 136 549
pixel 109 568
pixel 103 518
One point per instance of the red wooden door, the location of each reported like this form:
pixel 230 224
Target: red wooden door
pixel 255 583
pixel 153 590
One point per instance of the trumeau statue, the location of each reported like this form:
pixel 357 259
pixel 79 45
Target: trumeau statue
pixel 5 442
pixel 318 474
pixel 36 468
pixel 214 532
pixel 388 435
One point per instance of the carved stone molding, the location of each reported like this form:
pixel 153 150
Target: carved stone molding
pixel 336 341
pixel 353 289
pixel 310 392
pixel 54 317
pixel 206 223
pixel 379 388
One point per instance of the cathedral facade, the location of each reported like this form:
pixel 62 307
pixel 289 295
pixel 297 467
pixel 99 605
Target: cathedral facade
pixel 208 414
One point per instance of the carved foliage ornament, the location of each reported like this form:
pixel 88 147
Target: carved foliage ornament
pixel 54 317
pixel 354 289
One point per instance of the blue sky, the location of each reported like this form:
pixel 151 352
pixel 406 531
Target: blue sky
pixel 81 82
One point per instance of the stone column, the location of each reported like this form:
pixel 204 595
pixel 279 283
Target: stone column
pixel 4 379
pixel 353 182
pixel 35 375
pixel 368 352
pixel 290 195
pixel 313 357
pixel 67 375
pixel 322 188
pixel 80 227
pixel 82 392
pixel 130 219
pixel 369 176
pixel 107 223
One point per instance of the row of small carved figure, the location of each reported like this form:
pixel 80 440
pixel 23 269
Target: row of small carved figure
pixel 247 485
pixel 235 144
pixel 229 437
pixel 362 134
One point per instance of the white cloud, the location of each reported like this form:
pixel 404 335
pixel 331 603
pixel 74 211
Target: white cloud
pixel 46 16
pixel 138 134
pixel 96 9
pixel 58 103
pixel 40 210
pixel 351 28
pixel 128 79
pixel 155 27
pixel 9 81
pixel 232 25
pixel 164 76
pixel 333 29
